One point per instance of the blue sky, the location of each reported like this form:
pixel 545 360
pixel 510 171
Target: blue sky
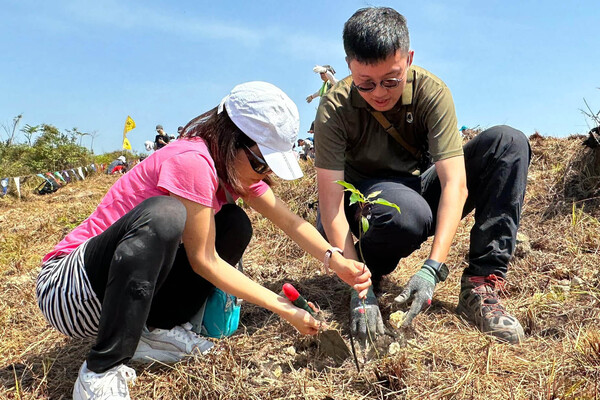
pixel 90 64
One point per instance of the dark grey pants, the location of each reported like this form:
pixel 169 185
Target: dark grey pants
pixel 141 274
pixel 496 163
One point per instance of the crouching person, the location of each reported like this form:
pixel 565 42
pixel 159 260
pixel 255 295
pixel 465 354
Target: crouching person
pixel 134 273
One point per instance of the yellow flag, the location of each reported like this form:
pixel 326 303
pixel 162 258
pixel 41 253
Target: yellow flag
pixel 126 144
pixel 129 125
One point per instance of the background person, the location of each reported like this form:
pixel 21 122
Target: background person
pixel 488 175
pixel 148 258
pixel 118 165
pixel 327 76
pixel 161 139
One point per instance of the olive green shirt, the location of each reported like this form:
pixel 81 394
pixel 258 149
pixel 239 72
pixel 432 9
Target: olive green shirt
pixel 349 138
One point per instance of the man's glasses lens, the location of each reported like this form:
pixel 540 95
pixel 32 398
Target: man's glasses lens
pixel 259 165
pixel 386 83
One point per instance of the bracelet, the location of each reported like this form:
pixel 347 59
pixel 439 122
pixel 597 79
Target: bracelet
pixel 327 258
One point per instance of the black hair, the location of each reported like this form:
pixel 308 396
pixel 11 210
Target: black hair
pixel 223 139
pixel 373 34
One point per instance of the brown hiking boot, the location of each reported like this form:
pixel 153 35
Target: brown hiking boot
pixel 479 303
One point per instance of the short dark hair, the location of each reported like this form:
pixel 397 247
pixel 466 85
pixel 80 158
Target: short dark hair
pixel 223 139
pixel 372 34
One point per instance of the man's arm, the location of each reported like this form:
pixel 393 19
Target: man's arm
pixel 333 216
pixel 420 287
pixel 453 181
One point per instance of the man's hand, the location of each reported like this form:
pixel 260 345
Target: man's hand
pixel 365 317
pixel 420 288
pixel 309 99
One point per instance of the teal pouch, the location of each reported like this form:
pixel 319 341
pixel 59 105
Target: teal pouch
pixel 219 316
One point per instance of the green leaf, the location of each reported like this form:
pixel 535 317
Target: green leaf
pixel 355 197
pixel 365 224
pixel 384 202
pixel 374 194
pixel 347 185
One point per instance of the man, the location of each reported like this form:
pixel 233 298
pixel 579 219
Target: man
pixel 161 139
pixel 488 175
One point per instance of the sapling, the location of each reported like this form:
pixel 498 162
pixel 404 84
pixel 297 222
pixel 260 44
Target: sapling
pixel 364 203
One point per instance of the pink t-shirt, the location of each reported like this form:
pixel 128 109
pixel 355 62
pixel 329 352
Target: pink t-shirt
pixel 184 168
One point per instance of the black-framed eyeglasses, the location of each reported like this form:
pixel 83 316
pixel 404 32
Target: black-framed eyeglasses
pixel 259 165
pixel 369 86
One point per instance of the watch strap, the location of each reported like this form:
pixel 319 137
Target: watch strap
pixel 327 258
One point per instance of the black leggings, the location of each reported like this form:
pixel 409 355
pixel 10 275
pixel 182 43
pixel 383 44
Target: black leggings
pixel 140 272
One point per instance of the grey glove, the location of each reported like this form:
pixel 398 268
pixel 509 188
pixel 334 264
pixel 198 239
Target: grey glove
pixel 420 288
pixel 365 317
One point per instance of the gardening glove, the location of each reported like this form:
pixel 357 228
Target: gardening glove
pixel 420 288
pixel 365 317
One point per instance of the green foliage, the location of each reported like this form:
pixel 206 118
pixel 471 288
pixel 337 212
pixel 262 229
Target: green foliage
pixel 52 150
pixel 357 197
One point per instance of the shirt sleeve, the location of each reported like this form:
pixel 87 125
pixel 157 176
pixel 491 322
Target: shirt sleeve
pixel 258 189
pixel 331 78
pixel 192 176
pixel 440 118
pixel 330 137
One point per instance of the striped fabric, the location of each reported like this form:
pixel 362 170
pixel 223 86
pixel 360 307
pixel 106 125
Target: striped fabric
pixel 66 297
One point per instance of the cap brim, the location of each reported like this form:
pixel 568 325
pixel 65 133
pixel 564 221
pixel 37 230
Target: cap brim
pixel 283 164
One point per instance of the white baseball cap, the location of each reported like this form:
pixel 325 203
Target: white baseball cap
pixel 270 118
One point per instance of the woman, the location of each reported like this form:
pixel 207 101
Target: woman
pixel 135 271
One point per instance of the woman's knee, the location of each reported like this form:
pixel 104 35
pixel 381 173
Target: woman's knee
pixel 234 221
pixel 233 232
pixel 165 216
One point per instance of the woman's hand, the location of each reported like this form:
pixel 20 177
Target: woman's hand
pixel 302 320
pixel 354 273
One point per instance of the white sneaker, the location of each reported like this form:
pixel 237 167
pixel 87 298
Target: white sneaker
pixel 170 346
pixel 109 385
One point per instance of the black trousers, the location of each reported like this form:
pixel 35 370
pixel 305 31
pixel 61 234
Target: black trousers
pixel 496 162
pixel 140 272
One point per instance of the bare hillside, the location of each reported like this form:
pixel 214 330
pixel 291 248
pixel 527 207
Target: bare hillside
pixel 553 288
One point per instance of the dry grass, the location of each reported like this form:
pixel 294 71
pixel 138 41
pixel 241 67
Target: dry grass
pixel 555 293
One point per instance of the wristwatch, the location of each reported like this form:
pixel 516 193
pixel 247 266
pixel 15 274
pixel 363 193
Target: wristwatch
pixel 441 269
pixel 327 258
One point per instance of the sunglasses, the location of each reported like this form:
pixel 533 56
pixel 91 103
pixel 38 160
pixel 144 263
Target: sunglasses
pixel 369 86
pixel 259 165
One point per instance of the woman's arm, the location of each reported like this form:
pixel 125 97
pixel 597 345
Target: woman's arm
pixel 199 242
pixel 352 272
